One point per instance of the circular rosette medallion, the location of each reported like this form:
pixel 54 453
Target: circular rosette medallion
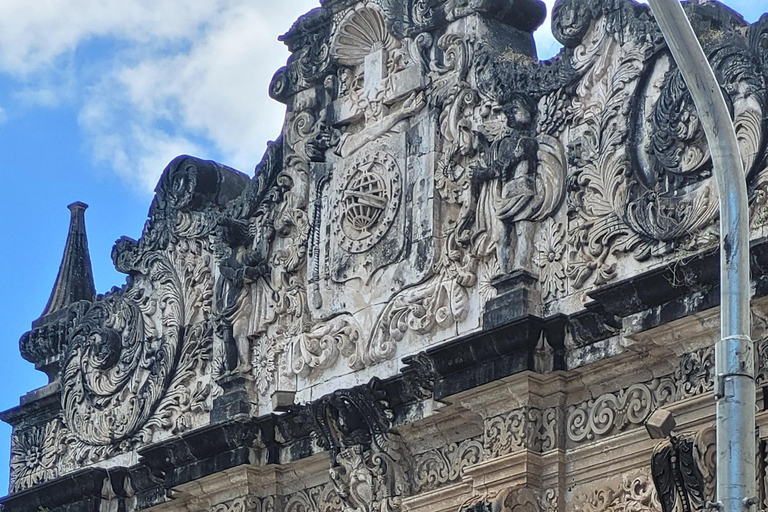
pixel 367 201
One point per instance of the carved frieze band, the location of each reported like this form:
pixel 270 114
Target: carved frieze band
pixel 631 406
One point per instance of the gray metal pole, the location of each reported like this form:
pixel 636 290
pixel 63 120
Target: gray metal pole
pixel 734 359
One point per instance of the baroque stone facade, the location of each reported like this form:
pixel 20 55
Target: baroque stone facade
pixel 460 279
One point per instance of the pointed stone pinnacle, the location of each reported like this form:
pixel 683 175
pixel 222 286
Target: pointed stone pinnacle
pixel 75 279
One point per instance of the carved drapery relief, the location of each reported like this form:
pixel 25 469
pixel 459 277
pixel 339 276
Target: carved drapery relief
pixel 683 470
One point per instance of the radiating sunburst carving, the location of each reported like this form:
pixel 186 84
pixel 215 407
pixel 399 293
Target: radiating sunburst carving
pixel 360 34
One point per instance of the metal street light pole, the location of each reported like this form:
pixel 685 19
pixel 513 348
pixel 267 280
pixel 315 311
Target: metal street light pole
pixel 734 359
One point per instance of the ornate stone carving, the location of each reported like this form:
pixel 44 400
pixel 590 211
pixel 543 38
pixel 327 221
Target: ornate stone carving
pixel 35 455
pixel 111 342
pixel 518 500
pixel 521 429
pixel 633 493
pixel 247 504
pixel 368 202
pixel 360 35
pixel 321 347
pixel 137 359
pixel 610 411
pixel 374 479
pixel 667 199
pixel 632 405
pixel 316 499
pixel 551 249
pixel 515 499
pixel 444 465
pixel 683 471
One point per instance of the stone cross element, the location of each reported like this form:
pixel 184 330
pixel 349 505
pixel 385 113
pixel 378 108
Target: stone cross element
pixel 389 93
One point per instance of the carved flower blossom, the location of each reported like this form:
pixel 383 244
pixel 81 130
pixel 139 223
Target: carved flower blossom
pixel 264 364
pixel 34 454
pixel 551 248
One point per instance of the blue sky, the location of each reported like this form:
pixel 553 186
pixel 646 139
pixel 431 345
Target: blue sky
pixel 96 96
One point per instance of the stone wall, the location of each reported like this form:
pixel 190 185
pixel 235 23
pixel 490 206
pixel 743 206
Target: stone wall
pixel 460 279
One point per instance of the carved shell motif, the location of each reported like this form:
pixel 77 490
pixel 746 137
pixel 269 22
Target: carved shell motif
pixel 360 34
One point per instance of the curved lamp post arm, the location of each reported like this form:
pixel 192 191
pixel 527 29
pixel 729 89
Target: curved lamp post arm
pixel 734 359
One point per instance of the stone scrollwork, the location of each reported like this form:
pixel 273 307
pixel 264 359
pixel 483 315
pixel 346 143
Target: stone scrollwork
pixel 521 429
pixel 634 493
pixel 137 360
pixel 640 179
pixel 323 498
pixel 133 352
pixel 632 405
pixel 514 499
pixel 438 467
pixel 320 348
pixel 247 504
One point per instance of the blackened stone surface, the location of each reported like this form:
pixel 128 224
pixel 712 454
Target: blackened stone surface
pixel 203 452
pixel 484 357
pixel 515 299
pixel 77 492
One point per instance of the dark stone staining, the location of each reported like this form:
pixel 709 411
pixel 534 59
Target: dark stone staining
pixel 76 492
pixel 44 344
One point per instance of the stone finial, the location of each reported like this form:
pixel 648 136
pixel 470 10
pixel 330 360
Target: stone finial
pixel 75 279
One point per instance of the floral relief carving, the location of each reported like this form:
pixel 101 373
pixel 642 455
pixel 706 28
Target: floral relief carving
pixel 644 188
pixel 551 248
pixel 35 455
pixel 264 365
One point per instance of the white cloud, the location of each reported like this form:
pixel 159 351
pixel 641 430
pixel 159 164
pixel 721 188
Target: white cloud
pixel 180 76
pixel 34 34
pixel 546 44
pixel 3 115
